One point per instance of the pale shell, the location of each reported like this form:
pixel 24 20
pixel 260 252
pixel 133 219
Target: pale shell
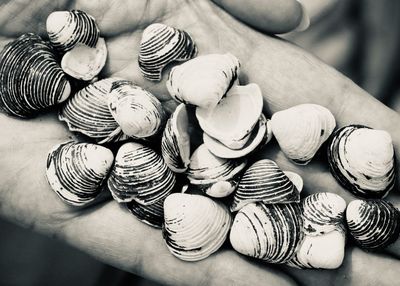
pixel 152 215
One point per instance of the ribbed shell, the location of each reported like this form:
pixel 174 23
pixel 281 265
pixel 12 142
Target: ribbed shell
pixel 362 160
pixel 30 77
pixel 204 80
pixel 264 182
pixel 140 174
pixel 301 130
pixel 268 232
pixel 76 171
pixel 162 45
pixel 373 224
pixel 152 215
pixel 67 28
pixel 195 226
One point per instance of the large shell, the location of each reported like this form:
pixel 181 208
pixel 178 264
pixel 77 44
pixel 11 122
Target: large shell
pixel 138 112
pixel 362 160
pixel 140 174
pixel 195 226
pixel 373 224
pixel 162 45
pixel 301 130
pixel 67 28
pixel 264 182
pixel 268 232
pixel 76 171
pixel 204 80
pixel 152 215
pixel 30 77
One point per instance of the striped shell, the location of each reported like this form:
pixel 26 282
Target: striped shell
pixel 67 28
pixel 162 45
pixel 76 171
pixel 137 111
pixel 140 174
pixel 373 224
pixel 152 215
pixel 362 160
pixel 195 226
pixel 30 77
pixel 268 232
pixel 204 80
pixel 264 182
pixel 301 130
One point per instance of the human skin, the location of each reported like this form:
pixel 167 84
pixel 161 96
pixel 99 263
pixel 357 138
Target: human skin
pixel 286 74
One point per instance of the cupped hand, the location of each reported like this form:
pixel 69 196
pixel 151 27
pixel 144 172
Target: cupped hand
pixel 287 76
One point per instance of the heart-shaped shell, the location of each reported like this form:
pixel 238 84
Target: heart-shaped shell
pixel 362 160
pixel 195 226
pixel 373 224
pixel 162 45
pixel 68 28
pixel 152 215
pixel 140 174
pixel 30 77
pixel 204 80
pixel 268 232
pixel 76 171
pixel 137 111
pixel 264 182
pixel 301 130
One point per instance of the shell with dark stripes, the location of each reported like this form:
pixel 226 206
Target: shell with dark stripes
pixel 152 215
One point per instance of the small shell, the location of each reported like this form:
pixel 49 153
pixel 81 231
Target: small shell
pixel 68 28
pixel 268 232
pixel 137 111
pixel 162 45
pixel 362 160
pixel 152 215
pixel 204 80
pixel 140 174
pixel 30 78
pixel 264 182
pixel 195 226
pixel 373 224
pixel 76 171
pixel 301 130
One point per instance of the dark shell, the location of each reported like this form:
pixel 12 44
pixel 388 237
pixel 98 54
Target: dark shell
pixel 152 215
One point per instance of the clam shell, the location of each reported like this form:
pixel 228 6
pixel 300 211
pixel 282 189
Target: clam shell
pixel 264 182
pixel 162 45
pixel 268 232
pixel 140 174
pixel 204 80
pixel 301 130
pixel 373 224
pixel 137 111
pixel 152 215
pixel 30 77
pixel 68 28
pixel 362 160
pixel 76 171
pixel 195 226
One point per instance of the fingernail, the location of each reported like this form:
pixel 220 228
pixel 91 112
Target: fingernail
pixel 305 19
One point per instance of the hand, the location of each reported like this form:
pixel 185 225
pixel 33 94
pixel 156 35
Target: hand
pixel 287 76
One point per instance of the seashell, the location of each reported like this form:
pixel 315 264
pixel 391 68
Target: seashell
pixel 195 226
pixel 204 80
pixel 140 174
pixel 296 179
pixel 68 28
pixel 362 160
pixel 30 77
pixel 268 232
pixel 301 130
pixel 84 62
pixel 323 213
pixel 152 215
pixel 76 171
pixel 374 224
pixel 137 111
pixel 162 45
pixel 264 182
pixel 87 112
pixel 216 176
pixel 175 142
pixel 234 117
